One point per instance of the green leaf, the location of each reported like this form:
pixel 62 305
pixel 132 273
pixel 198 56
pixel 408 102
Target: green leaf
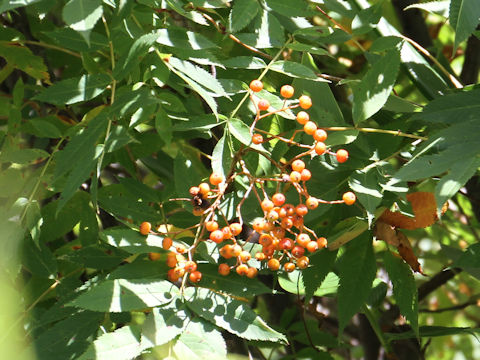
pixel 376 86
pixel 131 241
pixel 313 277
pixel 357 269
pixel 67 338
pixel 82 15
pixel 48 127
pixel 232 284
pixel 242 13
pixel 345 231
pixel 163 125
pixel 183 39
pixel 404 288
pixel 97 257
pixel 464 18
pixel 70 39
pixel 39 260
pixel 75 90
pixel 121 344
pixel 22 156
pixel 366 186
pixel 294 69
pixel 13 4
pixel 290 9
pixel 222 156
pixel 135 53
pixel 232 315
pixel 244 62
pixel 241 132
pixel 366 19
pixel 432 7
pixel 22 58
pixel 141 268
pixel 433 331
pixel 452 108
pixel 198 75
pixel 292 283
pixel 200 340
pixel 125 295
pixel 164 324
pixel 308 48
pixel 470 258
pixel 268 32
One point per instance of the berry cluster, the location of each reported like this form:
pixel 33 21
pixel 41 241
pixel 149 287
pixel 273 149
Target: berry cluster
pixel 285 240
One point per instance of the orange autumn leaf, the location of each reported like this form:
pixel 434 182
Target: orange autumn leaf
pixel 424 208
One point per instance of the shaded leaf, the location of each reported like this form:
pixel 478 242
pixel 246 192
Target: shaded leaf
pixel 357 269
pixel 242 13
pixel 292 283
pixel 22 58
pixel 433 331
pixel 178 37
pixel 375 88
pixel 464 18
pixel 321 264
pixel 75 90
pixel 125 295
pixel 470 258
pixel 82 15
pixel 232 315
pixel 404 288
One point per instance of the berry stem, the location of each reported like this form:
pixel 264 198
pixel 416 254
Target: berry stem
pixel 373 130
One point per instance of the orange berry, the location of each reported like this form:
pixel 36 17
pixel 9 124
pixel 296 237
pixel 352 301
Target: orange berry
pixel 258 224
pixel 226 251
pixel 252 272
pixel 236 250
pixel 298 221
pixel 172 276
pixel 235 228
pixel 211 225
pixel 312 203
pixel 320 148
pixel 179 271
pixel 216 179
pixel 216 236
pixel 289 267
pixel 303 262
pixel 256 85
pixel 269 250
pixel 303 117
pixel 167 243
pixel 180 248
pixel 306 175
pixel 289 209
pixel 257 139
pixel 263 104
pixel 273 264
pixel 303 239
pixel 227 233
pixel 245 256
pixel 267 205
pixel 154 256
pixel 195 276
pixel 269 225
pixel 287 223
pixel 342 155
pixel 298 165
pixel 145 228
pixel 286 244
pixel 223 269
pixel 312 246
pixel 320 135
pixel 242 269
pixel 287 91
pixel 194 190
pixel 272 215
pixel 298 251
pixel 278 232
pixel 322 242
pixel 310 127
pixel 278 199
pixel 305 102
pixel 295 177
pixel 171 259
pixel 265 239
pixel 349 198
pixel 204 188
pixel 260 256
pixel 190 266
pixel 301 209
pixel 282 212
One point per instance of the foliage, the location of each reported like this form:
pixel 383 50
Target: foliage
pixel 112 111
